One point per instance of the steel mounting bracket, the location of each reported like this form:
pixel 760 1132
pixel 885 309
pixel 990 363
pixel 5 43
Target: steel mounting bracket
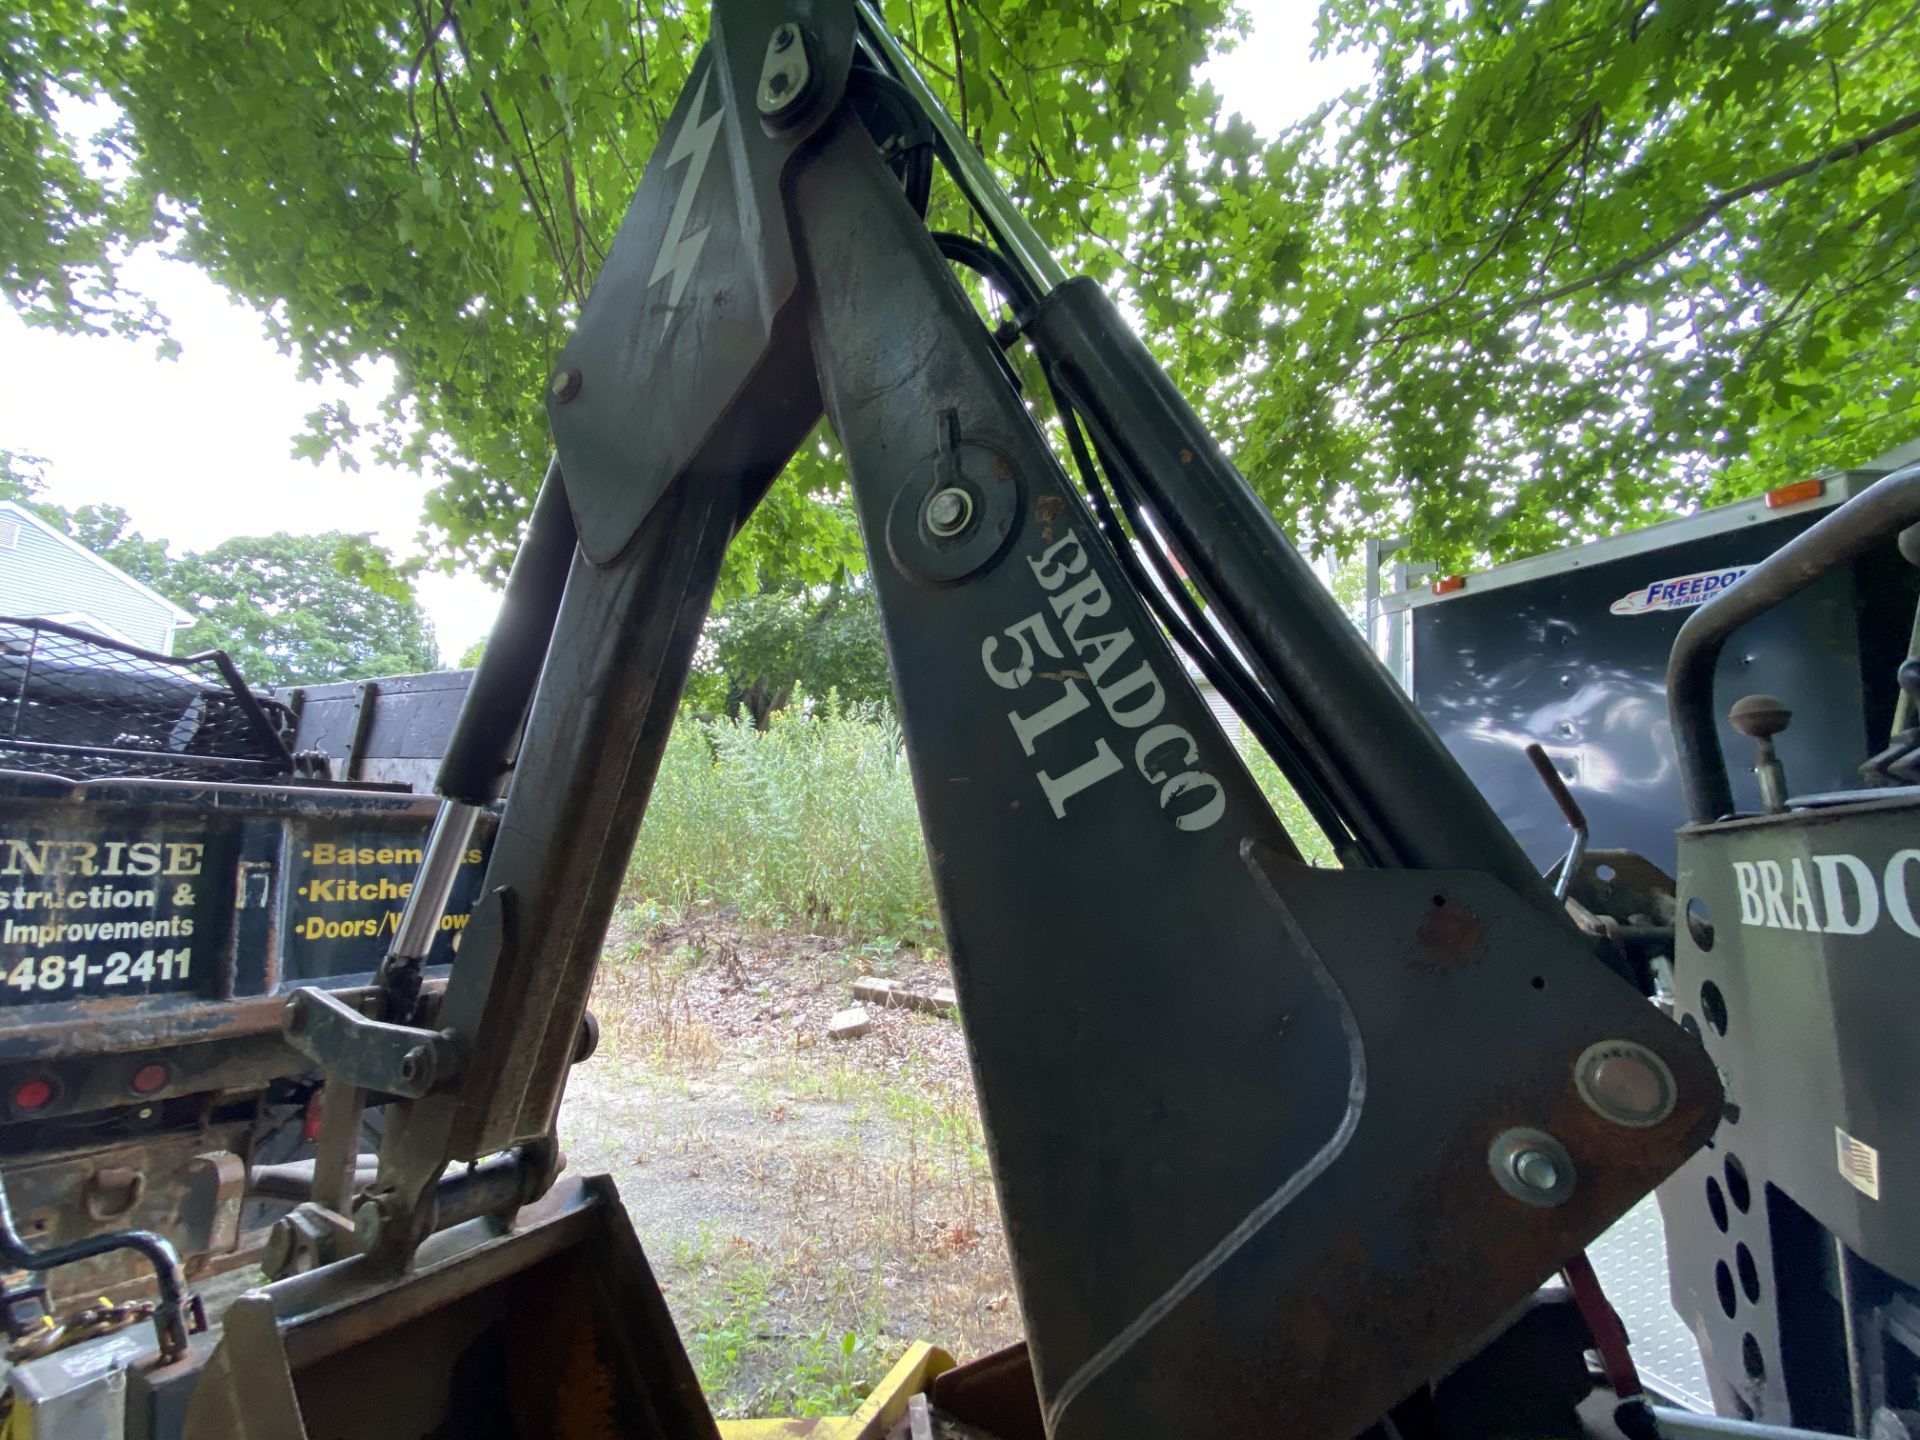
pixel 401 1060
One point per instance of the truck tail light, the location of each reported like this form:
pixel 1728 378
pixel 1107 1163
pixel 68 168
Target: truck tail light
pixel 1450 584
pixel 311 1118
pixel 148 1078
pixel 1782 496
pixel 33 1095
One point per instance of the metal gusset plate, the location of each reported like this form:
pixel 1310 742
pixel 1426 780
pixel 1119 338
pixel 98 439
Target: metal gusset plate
pixel 1264 1135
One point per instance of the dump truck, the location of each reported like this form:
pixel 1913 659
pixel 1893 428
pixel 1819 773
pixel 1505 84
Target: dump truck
pixel 179 850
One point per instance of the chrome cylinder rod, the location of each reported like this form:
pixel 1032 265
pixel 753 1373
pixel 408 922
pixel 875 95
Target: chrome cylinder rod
pixel 446 851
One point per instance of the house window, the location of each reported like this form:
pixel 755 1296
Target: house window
pixel 9 534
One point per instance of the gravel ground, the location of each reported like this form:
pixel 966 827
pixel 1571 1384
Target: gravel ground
pixel 809 1205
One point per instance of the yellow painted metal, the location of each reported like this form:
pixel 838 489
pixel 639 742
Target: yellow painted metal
pixel 878 1414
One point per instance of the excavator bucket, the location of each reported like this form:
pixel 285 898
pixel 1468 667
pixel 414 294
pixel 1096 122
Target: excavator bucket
pixel 551 1330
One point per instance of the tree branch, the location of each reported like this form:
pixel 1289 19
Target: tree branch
pixel 646 77
pixel 1707 213
pixel 440 91
pixel 1521 210
pixel 540 211
pixel 927 62
pixel 1885 35
pixel 959 64
pixel 413 79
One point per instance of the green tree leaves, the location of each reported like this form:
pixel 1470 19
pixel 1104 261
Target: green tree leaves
pixel 289 609
pixel 762 649
pixel 1565 264
pixel 437 182
pixel 285 608
pixel 1612 257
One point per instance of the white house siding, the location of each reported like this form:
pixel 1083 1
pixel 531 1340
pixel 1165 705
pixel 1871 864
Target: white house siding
pixel 44 575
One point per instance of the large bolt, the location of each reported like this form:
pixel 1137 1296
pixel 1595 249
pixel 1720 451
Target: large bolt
pixel 368 1222
pixel 949 511
pixel 1532 1166
pixel 564 385
pixel 1625 1082
pixel 1629 1083
pixel 294 1018
pixel 784 37
pixel 416 1066
pixel 1536 1169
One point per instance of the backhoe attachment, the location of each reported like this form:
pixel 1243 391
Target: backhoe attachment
pixel 1275 1145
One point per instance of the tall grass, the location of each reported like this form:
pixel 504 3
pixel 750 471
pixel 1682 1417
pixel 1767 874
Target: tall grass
pixel 813 823
pixel 1286 804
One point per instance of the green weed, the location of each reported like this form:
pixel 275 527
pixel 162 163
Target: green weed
pixel 810 823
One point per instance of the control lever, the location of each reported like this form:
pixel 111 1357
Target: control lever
pixel 1903 708
pixel 1899 763
pixel 1576 818
pixel 1760 718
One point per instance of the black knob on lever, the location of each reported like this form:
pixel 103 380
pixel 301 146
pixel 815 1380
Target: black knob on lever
pixel 1909 677
pixel 1760 718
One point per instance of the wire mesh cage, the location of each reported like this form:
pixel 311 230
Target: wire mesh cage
pixel 85 707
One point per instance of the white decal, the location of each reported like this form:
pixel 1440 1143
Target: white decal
pixel 1840 895
pixel 1164 754
pixel 1682 592
pixel 680 250
pixel 114 1354
pixel 1859 1163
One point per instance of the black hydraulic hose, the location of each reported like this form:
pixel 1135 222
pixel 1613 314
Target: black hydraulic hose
pixel 1256 705
pixel 1183 622
pixel 1170 601
pixel 909 149
pixel 176 1305
pixel 1404 797
pixel 1869 519
pixel 987 261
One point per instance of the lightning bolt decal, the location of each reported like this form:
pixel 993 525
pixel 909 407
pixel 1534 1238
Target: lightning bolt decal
pixel 681 250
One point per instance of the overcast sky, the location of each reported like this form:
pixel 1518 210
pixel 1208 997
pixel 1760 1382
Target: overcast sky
pixel 198 449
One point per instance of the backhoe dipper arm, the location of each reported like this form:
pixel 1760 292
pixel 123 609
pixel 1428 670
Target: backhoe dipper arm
pixel 1274 1144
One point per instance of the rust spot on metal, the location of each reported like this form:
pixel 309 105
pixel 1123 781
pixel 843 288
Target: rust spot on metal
pixel 1450 935
pixel 994 1393
pixel 1046 510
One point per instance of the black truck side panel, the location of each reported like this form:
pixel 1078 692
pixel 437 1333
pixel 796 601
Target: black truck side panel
pixel 1549 659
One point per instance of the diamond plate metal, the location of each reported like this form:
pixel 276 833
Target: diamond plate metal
pixel 1631 1261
